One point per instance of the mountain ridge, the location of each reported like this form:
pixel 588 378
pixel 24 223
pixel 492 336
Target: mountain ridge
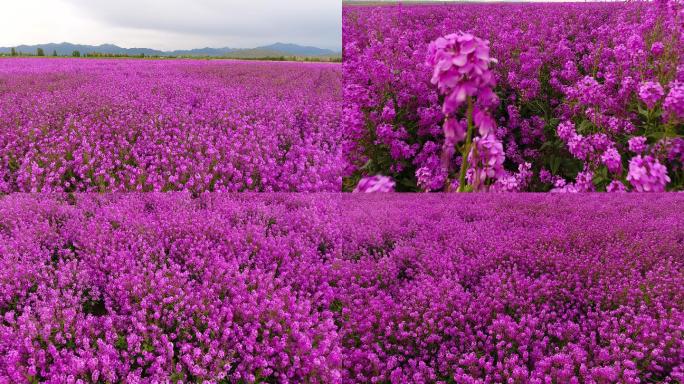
pixel 276 49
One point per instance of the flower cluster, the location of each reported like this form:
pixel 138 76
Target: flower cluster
pixel 377 183
pixel 169 125
pixel 646 174
pixel 637 144
pixel 461 70
pixel 486 159
pixel 346 288
pixel 651 92
pixel 674 102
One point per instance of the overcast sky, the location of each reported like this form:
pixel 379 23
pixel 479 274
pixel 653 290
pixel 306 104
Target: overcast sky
pixel 172 24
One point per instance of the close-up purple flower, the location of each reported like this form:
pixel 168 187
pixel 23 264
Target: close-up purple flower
pixel 657 48
pixel 461 68
pixel 637 144
pixel 612 160
pixel 674 102
pixel 486 159
pixel 647 174
pixel 616 186
pixel 651 92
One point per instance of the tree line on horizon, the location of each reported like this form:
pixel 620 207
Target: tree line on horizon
pixel 41 53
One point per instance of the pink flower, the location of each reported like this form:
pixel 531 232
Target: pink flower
pixel 657 48
pixel 514 182
pixel 674 102
pixel 579 147
pixel 490 158
pixel 650 93
pixel 484 122
pixel 377 183
pixel 461 68
pixel 616 186
pixel 430 179
pixel 454 131
pixel 637 144
pixel 612 160
pixel 646 174
pixel 566 130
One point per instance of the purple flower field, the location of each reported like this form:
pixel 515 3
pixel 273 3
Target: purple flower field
pixel 557 92
pixel 142 125
pixel 245 288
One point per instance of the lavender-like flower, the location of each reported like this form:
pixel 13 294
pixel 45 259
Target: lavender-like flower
pixel 461 69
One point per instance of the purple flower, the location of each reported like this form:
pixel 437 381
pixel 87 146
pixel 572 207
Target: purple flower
pixel 454 131
pixel 340 289
pixel 579 147
pixel 430 179
pixel 461 68
pixel 514 183
pixel 545 176
pixel 484 122
pixel 674 102
pixel 646 174
pixel 489 160
pixel 584 181
pixel 657 48
pixel 566 131
pixel 172 125
pixel 377 183
pixel 637 144
pixel 616 186
pixel 676 152
pixel 651 93
pixel 612 160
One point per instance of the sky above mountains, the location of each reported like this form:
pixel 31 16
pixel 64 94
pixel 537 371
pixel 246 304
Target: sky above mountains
pixel 173 24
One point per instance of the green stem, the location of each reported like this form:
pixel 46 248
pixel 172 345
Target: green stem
pixel 466 147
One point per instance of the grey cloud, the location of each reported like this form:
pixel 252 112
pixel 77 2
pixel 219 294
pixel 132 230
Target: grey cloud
pixel 307 22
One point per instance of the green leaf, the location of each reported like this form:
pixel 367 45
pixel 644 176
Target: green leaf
pixel 642 111
pixel 555 164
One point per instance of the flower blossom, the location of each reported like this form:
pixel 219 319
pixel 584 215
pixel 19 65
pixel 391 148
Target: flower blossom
pixel 616 186
pixel 657 48
pixel 637 144
pixel 646 174
pixel 612 160
pixel 486 159
pixel 377 183
pixel 650 93
pixel 461 69
pixel 674 102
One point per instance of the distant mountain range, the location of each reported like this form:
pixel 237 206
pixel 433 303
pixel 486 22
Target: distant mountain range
pixel 277 49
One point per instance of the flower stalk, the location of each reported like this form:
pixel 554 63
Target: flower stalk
pixel 466 147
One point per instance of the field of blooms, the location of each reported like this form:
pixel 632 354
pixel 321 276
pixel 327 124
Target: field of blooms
pixel 144 125
pixel 572 97
pixel 377 288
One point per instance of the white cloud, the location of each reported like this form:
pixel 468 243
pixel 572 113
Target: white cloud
pixel 172 24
